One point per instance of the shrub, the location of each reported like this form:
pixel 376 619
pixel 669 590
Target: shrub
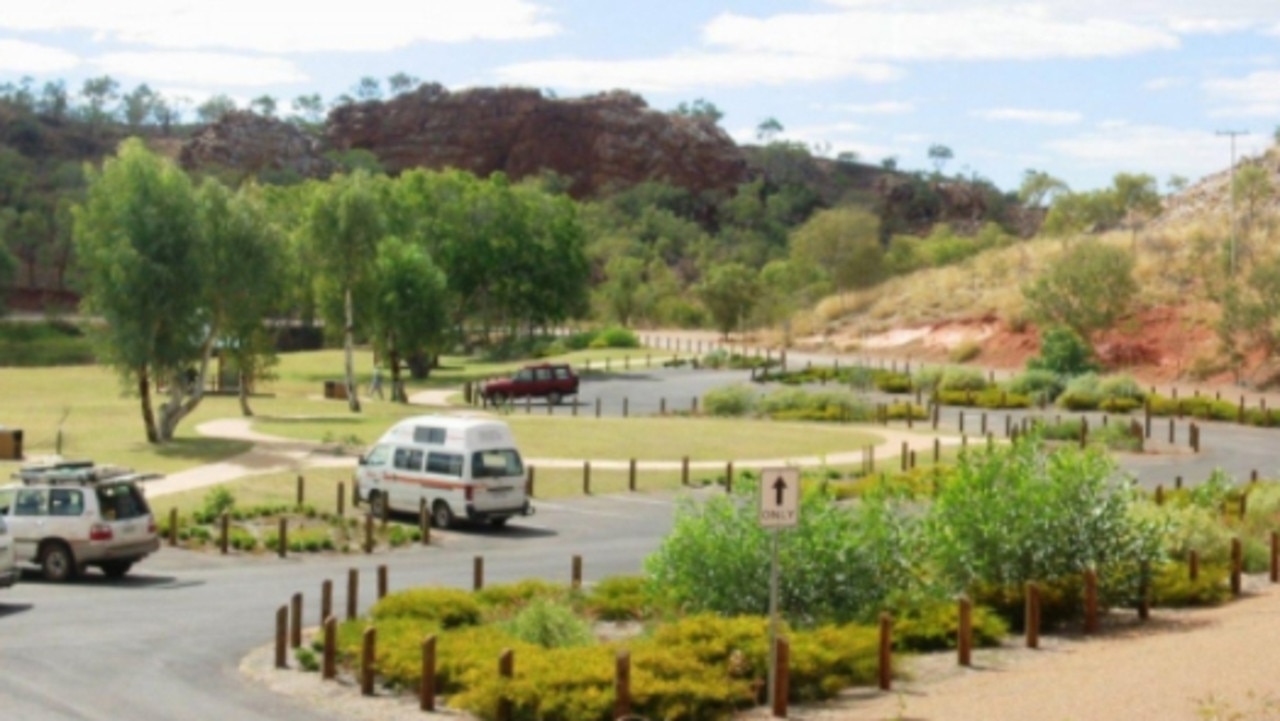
pixel 842 562
pixel 550 624
pixel 1064 353
pixel 965 352
pixel 306 659
pixel 241 540
pixel 799 404
pixel 1022 512
pixel 991 398
pixel 216 501
pixel 616 337
pixel 1121 387
pixel 1171 585
pixel 930 624
pixel 962 379
pixel 734 401
pixel 1081 393
pixel 447 607
pixel 513 596
pixel 1036 383
pixel 927 378
pixel 619 598
pixel 892 382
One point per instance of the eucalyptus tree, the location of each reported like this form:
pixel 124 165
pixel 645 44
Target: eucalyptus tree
pixel 139 244
pixel 408 307
pixel 345 220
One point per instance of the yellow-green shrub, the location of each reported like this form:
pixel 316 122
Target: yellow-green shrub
pixel 512 596
pixel 1171 585
pixel 932 625
pixel 619 598
pixel 450 607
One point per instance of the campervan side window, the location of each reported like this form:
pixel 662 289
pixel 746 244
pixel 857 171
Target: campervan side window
pixel 428 434
pixel 446 464
pixel 495 464
pixel 409 459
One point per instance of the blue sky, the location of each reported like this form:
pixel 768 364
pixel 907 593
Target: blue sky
pixel 1082 89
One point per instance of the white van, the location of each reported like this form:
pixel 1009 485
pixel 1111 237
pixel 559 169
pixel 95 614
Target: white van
pixel 463 468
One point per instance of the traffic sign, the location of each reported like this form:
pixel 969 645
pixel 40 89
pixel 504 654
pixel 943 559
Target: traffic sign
pixel 779 497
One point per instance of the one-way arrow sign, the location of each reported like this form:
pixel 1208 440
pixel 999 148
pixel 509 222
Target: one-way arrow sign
pixel 779 497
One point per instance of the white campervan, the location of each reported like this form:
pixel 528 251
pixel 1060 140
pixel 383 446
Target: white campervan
pixel 462 467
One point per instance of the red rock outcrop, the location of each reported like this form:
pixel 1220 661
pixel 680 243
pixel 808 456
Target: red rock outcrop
pixel 597 142
pixel 255 144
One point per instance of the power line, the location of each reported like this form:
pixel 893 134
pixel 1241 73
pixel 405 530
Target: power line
pixel 1232 190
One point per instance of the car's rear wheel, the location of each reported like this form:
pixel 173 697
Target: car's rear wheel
pixel 498 522
pixel 57 563
pixel 116 569
pixel 441 515
pixel 553 398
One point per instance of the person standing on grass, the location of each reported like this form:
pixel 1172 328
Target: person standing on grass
pixel 375 386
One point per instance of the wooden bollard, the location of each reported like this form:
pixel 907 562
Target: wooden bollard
pixel 1275 557
pixel 1144 592
pixel 506 669
pixel 586 478
pixel 295 621
pixel 282 637
pixel 597 408
pixel 626 404
pixel 662 406
pixel 1032 616
pixel 424 522
pixel 368 655
pixel 937 450
pixel 1090 601
pixel 728 477
pixel 904 455
pixel 1008 426
pixel 368 534
pixel 911 459
pixel 1160 495
pixel 622 684
pixel 1237 566
pixel 962 422
pixel 1171 431
pixel 1177 483
pixel 224 533
pixel 302 489
pixel 329 657
pixel 477 573
pixel 353 592
pixel 1084 432
pixel 984 424
pixel 781 676
pixel 631 476
pixel 427 684
pixel 382 581
pixel 326 598
pixel 684 471
pixel 342 498
pixel 386 514
pixel 936 413
pixel 886 652
pixel 693 406
pixel 283 537
pixel 1193 565
pixel 529 482
pixel 575 572
pixel 1195 438
pixel 964 635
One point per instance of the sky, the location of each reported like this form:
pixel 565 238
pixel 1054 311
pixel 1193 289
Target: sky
pixel 1081 89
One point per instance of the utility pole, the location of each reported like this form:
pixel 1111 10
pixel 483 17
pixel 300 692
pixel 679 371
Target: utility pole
pixel 1232 134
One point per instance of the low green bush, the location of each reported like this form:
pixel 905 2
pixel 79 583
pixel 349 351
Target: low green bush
pixel 959 378
pixel 42 344
pixel 991 398
pixel 307 659
pixel 892 382
pixel 507 597
pixel 619 598
pixel 1035 384
pixel 734 401
pixel 616 337
pixel 1171 585
pixel 933 625
pixel 550 624
pixel 448 607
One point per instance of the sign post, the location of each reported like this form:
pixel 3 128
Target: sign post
pixel 779 508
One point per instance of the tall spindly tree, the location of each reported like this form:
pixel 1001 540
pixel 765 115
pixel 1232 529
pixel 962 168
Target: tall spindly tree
pixel 140 247
pixel 345 221
pixel 409 306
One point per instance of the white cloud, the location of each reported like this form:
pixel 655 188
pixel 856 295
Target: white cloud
pixel 1164 83
pixel 201 68
pixel 885 107
pixel 690 71
pixel 951 31
pixel 1256 94
pixel 1154 149
pixel 280 27
pixel 1026 115
pixel 17 56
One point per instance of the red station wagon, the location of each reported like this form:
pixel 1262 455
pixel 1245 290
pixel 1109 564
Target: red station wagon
pixel 550 381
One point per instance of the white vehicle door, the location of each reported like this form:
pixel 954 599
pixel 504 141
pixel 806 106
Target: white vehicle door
pixel 66 515
pixel 27 521
pixel 406 464
pixel 498 475
pixel 444 480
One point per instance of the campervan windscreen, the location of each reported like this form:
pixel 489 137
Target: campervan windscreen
pixel 496 463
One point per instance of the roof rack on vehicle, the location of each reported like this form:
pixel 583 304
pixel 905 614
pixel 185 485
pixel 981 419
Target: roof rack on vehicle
pixel 71 473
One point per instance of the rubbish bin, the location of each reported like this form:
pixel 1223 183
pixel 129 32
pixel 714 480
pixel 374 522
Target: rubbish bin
pixel 10 444
pixel 336 390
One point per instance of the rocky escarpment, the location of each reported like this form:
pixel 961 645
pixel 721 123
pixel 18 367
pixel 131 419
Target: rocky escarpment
pixel 250 143
pixel 597 142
